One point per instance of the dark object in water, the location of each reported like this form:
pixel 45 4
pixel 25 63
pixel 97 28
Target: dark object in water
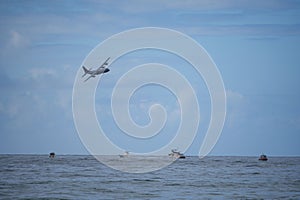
pixel 52 155
pixel 263 157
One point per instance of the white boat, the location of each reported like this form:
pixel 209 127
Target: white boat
pixel 126 154
pixel 176 154
pixel 52 155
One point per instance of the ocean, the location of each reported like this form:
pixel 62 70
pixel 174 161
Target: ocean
pixel 84 177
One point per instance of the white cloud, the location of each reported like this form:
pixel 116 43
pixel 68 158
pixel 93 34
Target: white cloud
pixel 234 97
pixel 235 108
pixel 37 73
pixel 17 40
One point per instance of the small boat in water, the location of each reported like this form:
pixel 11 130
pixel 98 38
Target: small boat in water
pixel 263 157
pixel 52 155
pixel 126 154
pixel 176 154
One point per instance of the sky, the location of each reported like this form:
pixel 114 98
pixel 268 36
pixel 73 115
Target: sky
pixel 255 45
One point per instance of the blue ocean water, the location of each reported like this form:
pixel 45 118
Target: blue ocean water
pixel 83 177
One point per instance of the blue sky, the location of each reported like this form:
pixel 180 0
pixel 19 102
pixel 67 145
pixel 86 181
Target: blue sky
pixel 255 45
